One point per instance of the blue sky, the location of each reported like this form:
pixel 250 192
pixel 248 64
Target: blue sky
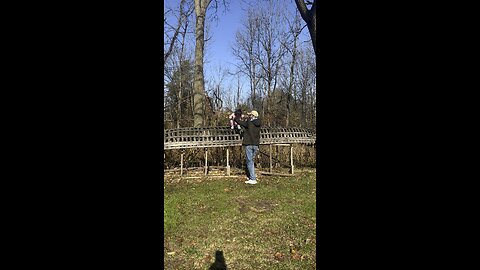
pixel 223 32
pixel 218 51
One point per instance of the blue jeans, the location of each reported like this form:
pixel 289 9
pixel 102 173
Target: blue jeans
pixel 250 152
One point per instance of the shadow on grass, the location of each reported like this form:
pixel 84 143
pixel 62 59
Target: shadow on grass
pixel 219 263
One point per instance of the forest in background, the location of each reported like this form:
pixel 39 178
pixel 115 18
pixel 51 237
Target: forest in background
pixel 276 69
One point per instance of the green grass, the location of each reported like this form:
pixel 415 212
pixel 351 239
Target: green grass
pixel 256 226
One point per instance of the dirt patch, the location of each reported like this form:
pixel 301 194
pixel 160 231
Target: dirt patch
pixel 266 205
pixel 243 205
pixel 255 206
pixel 202 208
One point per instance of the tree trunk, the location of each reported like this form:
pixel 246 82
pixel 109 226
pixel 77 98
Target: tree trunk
pixel 198 81
pixel 290 84
pixel 310 18
pixel 179 105
pixel 237 103
pixel 180 92
pixel 254 85
pixel 269 85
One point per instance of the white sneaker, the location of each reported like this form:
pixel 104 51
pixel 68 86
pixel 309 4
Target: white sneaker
pixel 251 182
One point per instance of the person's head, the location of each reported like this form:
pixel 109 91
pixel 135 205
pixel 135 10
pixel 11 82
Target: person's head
pixel 253 114
pixel 238 113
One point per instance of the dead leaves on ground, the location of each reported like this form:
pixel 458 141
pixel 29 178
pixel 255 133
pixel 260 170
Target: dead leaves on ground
pixel 207 259
pixel 278 256
pixel 294 255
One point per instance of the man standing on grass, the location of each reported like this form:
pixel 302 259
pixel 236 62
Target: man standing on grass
pixel 251 141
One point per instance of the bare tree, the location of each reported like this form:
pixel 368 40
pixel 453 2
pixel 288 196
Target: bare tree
pixel 216 91
pixel 176 56
pixel 295 29
pixel 280 70
pixel 201 7
pixel 181 60
pixel 310 17
pixel 185 10
pixel 199 83
pixel 245 49
pixel 239 86
pixel 306 74
pixel 271 53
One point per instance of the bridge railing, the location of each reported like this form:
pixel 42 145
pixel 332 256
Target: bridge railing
pixel 182 138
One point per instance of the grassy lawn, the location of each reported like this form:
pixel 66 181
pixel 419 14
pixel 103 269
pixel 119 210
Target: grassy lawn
pixel 270 225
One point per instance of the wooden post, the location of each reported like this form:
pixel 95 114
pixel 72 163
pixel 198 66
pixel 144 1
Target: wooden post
pixel 228 165
pixel 291 157
pixel 277 155
pixel 206 160
pixel 271 158
pixel 181 165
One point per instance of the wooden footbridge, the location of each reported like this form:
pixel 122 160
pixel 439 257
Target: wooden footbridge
pixel 209 137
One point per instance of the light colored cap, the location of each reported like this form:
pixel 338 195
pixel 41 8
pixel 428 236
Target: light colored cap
pixel 254 113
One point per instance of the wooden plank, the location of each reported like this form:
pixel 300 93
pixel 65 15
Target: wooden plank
pixel 291 158
pixel 181 164
pixel 216 167
pixel 206 161
pixel 276 153
pixel 271 164
pixel 171 170
pixel 228 165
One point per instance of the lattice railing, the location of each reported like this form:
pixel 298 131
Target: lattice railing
pixel 224 136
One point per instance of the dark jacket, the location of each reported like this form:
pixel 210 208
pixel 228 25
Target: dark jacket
pixel 251 135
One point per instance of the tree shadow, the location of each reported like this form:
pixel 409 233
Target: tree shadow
pixel 219 263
